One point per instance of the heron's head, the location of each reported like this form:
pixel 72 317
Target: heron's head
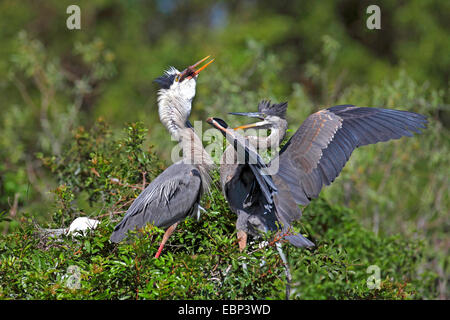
pixel 272 116
pixel 181 84
pixel 176 95
pixel 222 126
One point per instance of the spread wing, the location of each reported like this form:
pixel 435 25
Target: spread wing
pixel 251 192
pixel 319 149
pixel 170 198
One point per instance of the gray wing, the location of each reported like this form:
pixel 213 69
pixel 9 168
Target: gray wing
pixel 170 198
pixel 319 149
pixel 252 195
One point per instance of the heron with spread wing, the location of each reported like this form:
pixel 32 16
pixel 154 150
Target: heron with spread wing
pixel 250 192
pixel 175 194
pixel 312 158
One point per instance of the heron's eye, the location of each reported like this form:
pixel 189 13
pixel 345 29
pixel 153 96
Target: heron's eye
pixel 177 78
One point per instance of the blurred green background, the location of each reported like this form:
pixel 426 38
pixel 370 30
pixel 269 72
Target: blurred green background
pixel 313 54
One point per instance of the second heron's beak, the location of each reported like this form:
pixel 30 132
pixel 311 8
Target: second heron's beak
pixel 258 115
pixel 219 124
pixel 191 71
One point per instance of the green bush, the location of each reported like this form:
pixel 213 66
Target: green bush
pixel 99 169
pixel 201 259
pixel 312 54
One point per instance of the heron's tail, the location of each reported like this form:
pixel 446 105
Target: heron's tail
pixel 121 229
pixel 117 235
pixel 298 240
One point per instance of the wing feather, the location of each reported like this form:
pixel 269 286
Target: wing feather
pixel 320 148
pixel 170 198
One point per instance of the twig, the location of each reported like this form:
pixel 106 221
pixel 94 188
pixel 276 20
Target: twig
pixel 117 181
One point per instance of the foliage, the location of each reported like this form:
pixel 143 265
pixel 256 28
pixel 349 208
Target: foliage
pixel 202 260
pixel 52 99
pixel 58 162
pixel 100 169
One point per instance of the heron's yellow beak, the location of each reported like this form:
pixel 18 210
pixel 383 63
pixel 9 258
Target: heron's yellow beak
pixel 246 126
pixel 259 115
pixel 202 68
pixel 218 124
pixel 253 125
pixel 191 71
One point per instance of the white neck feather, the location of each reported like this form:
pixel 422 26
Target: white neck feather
pixel 174 111
pixel 195 154
pixel 273 140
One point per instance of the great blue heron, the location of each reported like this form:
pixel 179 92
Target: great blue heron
pixel 313 157
pixel 251 194
pixel 176 192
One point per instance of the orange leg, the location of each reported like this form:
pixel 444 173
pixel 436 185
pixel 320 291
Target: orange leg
pixel 242 239
pixel 166 236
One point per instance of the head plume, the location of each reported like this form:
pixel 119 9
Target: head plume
pixel 166 80
pixel 278 110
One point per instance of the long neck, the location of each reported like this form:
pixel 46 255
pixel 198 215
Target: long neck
pixel 195 154
pixel 273 140
pixel 173 113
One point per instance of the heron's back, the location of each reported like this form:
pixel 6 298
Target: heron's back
pixel 168 199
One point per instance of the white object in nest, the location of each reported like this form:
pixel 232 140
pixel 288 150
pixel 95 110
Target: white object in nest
pixel 82 224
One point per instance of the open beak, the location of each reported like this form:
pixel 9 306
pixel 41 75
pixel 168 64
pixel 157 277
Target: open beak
pixel 258 115
pixel 191 71
pixel 260 124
